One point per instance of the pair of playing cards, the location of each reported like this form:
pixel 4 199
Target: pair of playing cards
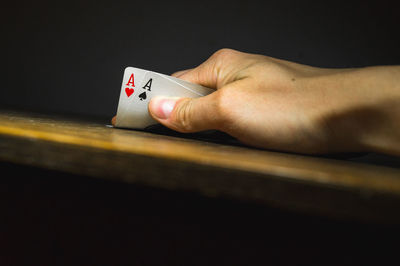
pixel 139 86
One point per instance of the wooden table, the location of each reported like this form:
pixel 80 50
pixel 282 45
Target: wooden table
pixel 294 182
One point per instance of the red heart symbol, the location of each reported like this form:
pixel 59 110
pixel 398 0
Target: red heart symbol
pixel 129 91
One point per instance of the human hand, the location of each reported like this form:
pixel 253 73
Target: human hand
pixel 274 104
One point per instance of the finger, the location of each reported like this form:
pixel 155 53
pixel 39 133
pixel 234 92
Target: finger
pixel 180 73
pixel 186 114
pixel 205 74
pixel 218 70
pixel 114 120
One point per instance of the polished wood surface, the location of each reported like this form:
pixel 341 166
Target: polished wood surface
pixel 302 183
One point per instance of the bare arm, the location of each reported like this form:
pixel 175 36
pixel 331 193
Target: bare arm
pixel 280 105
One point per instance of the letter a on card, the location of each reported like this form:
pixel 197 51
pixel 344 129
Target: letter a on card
pixel 131 81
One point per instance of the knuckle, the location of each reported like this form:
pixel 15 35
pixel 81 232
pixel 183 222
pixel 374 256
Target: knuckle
pixel 224 53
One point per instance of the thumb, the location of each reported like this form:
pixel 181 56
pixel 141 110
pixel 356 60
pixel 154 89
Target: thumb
pixel 185 114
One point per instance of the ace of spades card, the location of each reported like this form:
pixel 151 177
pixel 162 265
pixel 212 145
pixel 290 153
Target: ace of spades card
pixel 139 86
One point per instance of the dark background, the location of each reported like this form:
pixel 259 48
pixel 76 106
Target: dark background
pixel 68 56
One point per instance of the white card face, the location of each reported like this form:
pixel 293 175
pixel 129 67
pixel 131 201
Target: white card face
pixel 134 113
pixel 130 83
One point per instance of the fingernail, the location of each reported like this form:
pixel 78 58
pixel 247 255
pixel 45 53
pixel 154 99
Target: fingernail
pixel 162 107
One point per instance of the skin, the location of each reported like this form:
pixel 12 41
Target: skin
pixel 281 105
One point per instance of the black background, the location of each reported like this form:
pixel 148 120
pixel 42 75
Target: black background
pixel 68 56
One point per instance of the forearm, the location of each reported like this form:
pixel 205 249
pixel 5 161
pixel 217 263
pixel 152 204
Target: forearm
pixel 363 107
pixel 382 132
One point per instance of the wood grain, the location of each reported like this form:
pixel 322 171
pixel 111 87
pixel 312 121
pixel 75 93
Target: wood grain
pixel 303 183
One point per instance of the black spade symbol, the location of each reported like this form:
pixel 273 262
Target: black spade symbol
pixel 143 96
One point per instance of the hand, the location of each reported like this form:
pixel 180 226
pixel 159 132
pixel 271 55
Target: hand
pixel 276 104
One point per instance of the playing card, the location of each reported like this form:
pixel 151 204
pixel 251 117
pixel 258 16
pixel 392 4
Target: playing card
pixel 135 98
pixel 192 86
pixel 131 81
